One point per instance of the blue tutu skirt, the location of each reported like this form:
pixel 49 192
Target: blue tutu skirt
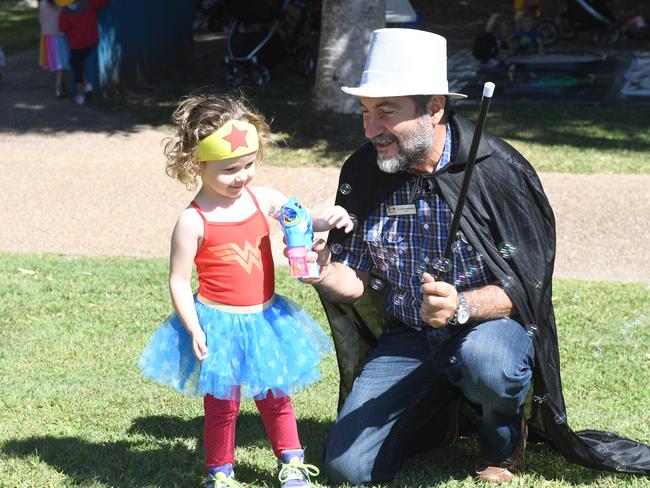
pixel 276 349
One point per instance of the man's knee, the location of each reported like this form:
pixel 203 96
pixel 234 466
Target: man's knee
pixel 349 466
pixel 486 372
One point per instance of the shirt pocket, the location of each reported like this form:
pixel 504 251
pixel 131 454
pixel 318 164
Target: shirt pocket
pixel 387 243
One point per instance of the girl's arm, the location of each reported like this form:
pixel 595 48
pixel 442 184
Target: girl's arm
pixel 271 201
pixel 185 242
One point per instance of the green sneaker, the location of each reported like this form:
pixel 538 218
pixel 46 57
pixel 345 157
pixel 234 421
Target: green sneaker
pixel 222 477
pixel 294 473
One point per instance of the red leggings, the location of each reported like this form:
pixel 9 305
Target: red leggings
pixel 219 427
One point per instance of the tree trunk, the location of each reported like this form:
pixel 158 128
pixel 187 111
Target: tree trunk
pixel 346 26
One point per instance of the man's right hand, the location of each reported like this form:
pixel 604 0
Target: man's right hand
pixel 320 253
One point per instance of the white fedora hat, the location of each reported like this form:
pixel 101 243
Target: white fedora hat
pixel 404 62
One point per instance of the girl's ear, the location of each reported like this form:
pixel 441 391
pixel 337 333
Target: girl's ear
pixel 199 167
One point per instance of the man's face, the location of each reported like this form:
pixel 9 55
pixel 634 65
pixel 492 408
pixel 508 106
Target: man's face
pixel 402 138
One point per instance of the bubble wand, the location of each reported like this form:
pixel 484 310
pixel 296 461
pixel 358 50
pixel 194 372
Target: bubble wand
pixel 488 91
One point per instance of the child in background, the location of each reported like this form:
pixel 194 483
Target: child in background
pixel 490 45
pixel 526 38
pixel 235 336
pixel 54 52
pixel 78 20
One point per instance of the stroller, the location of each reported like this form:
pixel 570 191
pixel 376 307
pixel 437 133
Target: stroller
pixel 263 33
pixel 574 16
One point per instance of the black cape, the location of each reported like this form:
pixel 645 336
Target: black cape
pixel 505 204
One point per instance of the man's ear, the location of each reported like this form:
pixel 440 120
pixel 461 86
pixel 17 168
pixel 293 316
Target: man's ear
pixel 436 106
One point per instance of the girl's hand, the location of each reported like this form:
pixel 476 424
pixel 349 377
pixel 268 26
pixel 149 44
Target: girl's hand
pixel 199 346
pixel 332 217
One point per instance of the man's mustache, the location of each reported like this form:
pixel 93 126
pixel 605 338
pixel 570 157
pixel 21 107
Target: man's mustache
pixel 384 139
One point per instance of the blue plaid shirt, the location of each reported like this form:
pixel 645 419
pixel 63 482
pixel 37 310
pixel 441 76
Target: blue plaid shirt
pixel 402 247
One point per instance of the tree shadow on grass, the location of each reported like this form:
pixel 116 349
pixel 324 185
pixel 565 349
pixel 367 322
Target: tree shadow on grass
pixel 158 451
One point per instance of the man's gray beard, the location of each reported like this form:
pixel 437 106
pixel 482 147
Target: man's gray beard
pixel 411 149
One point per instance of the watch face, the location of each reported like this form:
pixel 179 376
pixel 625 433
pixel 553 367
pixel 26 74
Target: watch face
pixel 463 315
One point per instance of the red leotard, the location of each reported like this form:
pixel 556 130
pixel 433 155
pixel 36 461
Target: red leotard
pixel 234 261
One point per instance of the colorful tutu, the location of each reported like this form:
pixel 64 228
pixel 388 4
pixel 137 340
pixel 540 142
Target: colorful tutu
pixel 277 349
pixel 55 53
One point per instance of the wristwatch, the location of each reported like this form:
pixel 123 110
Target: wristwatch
pixel 461 316
pixel 462 312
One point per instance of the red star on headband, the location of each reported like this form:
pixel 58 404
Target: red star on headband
pixel 236 138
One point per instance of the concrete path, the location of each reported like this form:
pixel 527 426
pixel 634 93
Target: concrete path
pixel 78 181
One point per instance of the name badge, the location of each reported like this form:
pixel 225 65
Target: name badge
pixel 393 210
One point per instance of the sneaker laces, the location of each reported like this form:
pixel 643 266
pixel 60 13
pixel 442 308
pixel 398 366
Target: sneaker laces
pixel 222 480
pixel 296 469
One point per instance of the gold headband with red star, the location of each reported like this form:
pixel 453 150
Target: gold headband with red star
pixel 233 139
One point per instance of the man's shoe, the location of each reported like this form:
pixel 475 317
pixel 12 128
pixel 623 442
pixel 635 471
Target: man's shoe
pixel 222 477
pixel 294 473
pixel 506 470
pixel 495 474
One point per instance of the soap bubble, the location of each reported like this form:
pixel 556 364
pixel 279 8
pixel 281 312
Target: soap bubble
pixel 597 352
pixel 507 250
pixel 376 284
pixel 398 300
pixel 345 189
pixel 620 466
pixel 532 328
pixel 507 282
pixel 540 398
pixel 337 249
pixel 453 360
pixel 560 419
pixel 442 265
pixel 457 247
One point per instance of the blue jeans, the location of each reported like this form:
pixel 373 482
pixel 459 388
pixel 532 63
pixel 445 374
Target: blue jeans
pixel 408 379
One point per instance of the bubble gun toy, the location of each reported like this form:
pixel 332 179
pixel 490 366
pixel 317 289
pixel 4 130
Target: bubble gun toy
pixel 299 232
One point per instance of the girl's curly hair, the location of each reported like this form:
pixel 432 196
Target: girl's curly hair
pixel 197 117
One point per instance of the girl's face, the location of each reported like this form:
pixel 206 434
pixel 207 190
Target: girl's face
pixel 227 177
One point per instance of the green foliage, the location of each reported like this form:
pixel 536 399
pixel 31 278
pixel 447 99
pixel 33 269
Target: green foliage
pixel 75 411
pixel 19 27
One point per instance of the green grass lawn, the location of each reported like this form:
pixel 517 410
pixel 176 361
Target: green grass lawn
pixel 75 411
pixel 19 27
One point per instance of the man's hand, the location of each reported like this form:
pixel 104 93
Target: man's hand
pixel 320 253
pixel 439 301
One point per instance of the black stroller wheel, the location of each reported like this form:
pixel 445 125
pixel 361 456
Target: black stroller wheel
pixel 548 32
pixel 304 61
pixel 260 75
pixel 234 75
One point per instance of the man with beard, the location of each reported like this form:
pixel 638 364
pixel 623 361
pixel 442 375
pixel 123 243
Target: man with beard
pixel 464 326
pixel 414 351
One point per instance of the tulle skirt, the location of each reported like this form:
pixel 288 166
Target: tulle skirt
pixel 54 53
pixel 276 349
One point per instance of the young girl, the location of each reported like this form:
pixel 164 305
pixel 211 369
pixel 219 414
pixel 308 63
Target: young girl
pixel 235 336
pixel 54 53
pixel 78 20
